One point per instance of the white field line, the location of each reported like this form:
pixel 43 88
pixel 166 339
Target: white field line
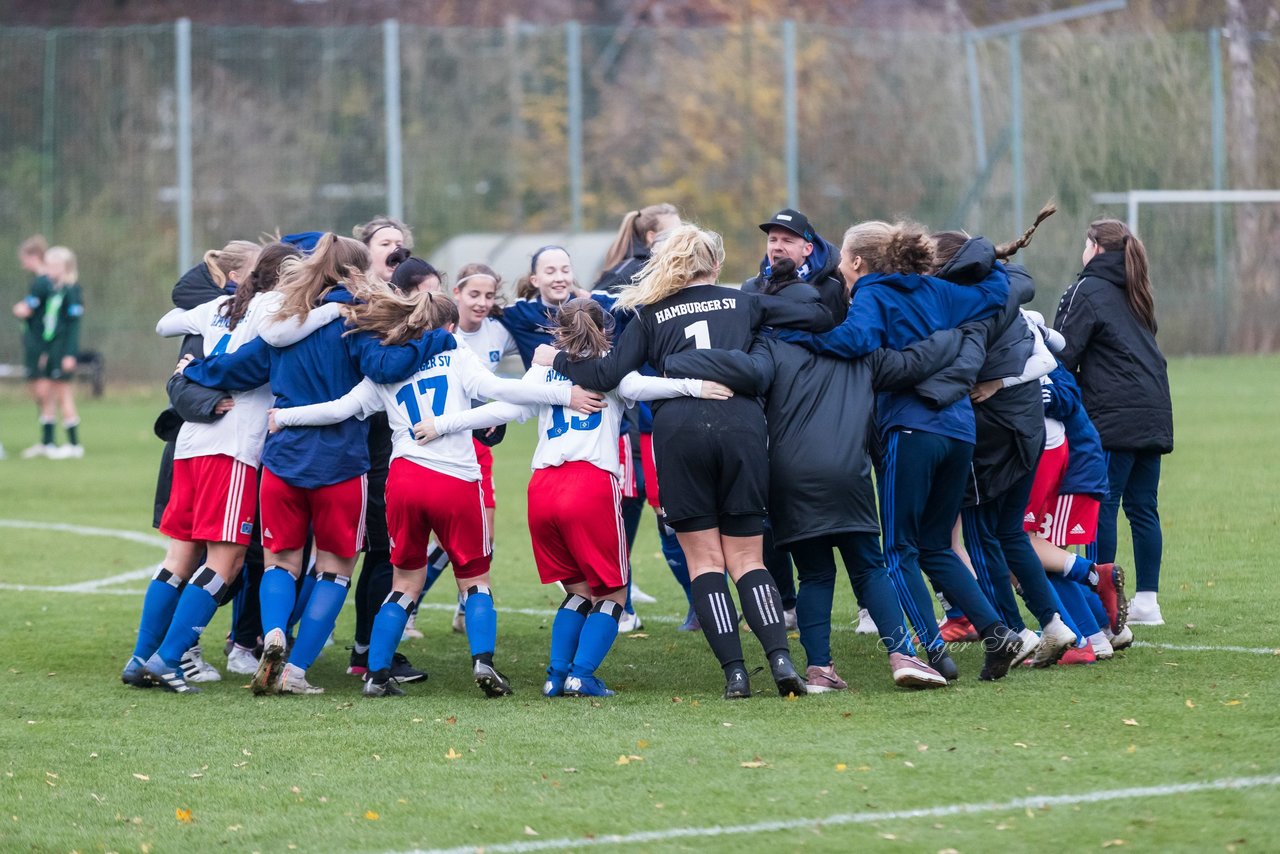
pixel 94 585
pixel 1018 804
pixel 1252 650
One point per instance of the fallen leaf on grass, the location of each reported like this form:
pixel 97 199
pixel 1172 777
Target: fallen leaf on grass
pixel 234 827
pixel 1111 843
pixel 245 751
pixel 922 747
pixel 623 760
pixel 638 635
pixel 1019 744
pixel 142 777
pixel 840 766
pixel 755 763
pixel 1133 748
pixel 195 776
pixel 371 815
pixel 529 831
pixel 1190 705
pixel 1231 703
pixel 183 816
pixel 1130 722
pixel 452 719
pixel 641 744
pixel 453 754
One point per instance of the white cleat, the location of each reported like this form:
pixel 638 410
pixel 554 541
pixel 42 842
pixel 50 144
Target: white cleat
pixel 196 669
pixel 1030 640
pixel 242 661
pixel 866 625
pixel 629 623
pixel 294 681
pixel 638 595
pixel 1055 640
pixel 1144 610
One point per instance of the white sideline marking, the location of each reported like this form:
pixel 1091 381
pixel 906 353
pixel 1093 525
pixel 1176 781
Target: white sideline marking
pixel 1040 802
pixel 1252 650
pixel 132 536
pixel 93 585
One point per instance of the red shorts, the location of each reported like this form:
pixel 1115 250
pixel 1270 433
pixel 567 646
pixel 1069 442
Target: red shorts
pixel 1044 489
pixel 575 522
pixel 212 500
pixel 1073 521
pixel 650 470
pixel 421 501
pixel 333 513
pixel 484 456
pixel 627 465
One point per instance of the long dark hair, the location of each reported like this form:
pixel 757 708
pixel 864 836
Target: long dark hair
pixel 1112 235
pixel 265 275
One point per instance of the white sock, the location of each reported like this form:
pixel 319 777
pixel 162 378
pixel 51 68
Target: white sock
pixel 1068 563
pixel 1145 599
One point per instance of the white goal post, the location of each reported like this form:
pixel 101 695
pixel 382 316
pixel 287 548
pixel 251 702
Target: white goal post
pixel 1133 198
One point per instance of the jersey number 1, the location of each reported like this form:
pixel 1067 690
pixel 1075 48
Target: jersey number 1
pixel 700 333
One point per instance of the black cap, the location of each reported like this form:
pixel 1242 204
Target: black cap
pixel 793 221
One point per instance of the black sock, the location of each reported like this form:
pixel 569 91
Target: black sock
pixel 485 657
pixel 718 617
pixel 762 608
pixel 46 432
pixel 73 432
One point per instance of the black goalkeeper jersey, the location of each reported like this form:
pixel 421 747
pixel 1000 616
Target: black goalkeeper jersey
pixel 699 317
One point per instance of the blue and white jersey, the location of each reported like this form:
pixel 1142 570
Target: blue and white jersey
pixel 491 342
pixel 239 433
pixel 563 434
pixel 444 384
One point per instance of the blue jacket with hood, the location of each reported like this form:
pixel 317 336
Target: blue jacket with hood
pixel 896 310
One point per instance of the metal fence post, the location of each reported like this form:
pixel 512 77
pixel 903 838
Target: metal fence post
pixel 1219 121
pixel 1015 124
pixel 46 141
pixel 391 85
pixel 975 101
pixel 789 100
pixel 182 34
pixel 573 45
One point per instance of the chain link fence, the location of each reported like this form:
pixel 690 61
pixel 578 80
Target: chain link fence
pixel 529 129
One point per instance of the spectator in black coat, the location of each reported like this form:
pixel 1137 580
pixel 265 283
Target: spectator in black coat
pixel 1108 320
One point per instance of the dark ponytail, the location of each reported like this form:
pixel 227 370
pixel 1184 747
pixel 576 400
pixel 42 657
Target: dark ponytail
pixel 265 275
pixel 583 329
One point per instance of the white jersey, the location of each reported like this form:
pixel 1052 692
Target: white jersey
pixel 564 435
pixel 491 342
pixel 241 432
pixel 445 384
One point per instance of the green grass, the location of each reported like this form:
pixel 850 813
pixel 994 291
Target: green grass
pixel 278 773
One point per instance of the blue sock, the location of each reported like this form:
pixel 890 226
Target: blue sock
pixel 628 607
pixel 388 628
pixel 196 606
pixel 157 612
pixel 1097 608
pixel 598 634
pixel 482 621
pixel 1072 596
pixel 304 588
pixel 565 630
pixel 327 596
pixel 1079 571
pixel 437 563
pixel 675 560
pixel 277 595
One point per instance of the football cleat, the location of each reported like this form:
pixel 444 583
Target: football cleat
pixel 196 669
pixel 785 675
pixel 293 680
pixel 134 675
pixel 381 684
pixel 586 686
pixel 737 685
pixel 491 682
pixel 168 678
pixel 266 680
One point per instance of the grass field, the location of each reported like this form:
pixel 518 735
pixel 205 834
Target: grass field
pixel 90 765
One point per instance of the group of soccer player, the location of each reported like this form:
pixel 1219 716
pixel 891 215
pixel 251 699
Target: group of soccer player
pixel 353 388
